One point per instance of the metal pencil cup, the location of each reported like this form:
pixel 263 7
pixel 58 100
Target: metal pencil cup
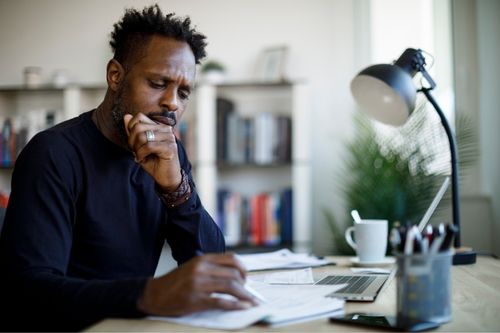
pixel 424 288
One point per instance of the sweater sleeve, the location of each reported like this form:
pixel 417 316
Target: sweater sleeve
pixel 36 245
pixel 190 228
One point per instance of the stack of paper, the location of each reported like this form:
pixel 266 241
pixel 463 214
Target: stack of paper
pixel 284 304
pixel 281 259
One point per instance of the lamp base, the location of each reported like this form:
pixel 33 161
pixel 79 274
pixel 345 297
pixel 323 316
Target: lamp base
pixel 464 256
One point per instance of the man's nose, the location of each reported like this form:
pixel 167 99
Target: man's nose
pixel 169 100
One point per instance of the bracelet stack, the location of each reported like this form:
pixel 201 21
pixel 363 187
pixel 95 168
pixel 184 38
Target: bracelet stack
pixel 180 195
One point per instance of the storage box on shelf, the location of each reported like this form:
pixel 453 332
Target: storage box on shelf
pixel 26 111
pixel 251 161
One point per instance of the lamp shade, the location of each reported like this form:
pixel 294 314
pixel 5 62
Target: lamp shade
pixel 385 92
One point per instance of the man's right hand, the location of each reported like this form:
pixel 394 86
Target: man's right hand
pixel 188 288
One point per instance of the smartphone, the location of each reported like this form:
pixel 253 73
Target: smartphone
pixel 381 321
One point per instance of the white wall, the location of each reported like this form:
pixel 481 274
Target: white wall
pixel 488 36
pixel 74 34
pixel 476 51
pixel 329 40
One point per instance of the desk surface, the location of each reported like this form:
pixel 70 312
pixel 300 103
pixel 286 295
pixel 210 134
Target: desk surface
pixel 475 305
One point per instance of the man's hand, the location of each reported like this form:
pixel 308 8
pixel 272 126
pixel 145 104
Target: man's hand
pixel 188 288
pixel 159 157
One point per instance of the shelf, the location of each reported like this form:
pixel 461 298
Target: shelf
pixel 246 193
pixel 255 84
pixel 49 88
pixel 34 109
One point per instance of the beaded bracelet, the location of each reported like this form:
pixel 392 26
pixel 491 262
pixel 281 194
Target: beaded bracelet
pixel 180 195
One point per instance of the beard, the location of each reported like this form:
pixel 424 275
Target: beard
pixel 118 110
pixel 121 107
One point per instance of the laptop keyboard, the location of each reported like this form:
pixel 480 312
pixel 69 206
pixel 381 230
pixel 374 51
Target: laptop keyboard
pixel 355 284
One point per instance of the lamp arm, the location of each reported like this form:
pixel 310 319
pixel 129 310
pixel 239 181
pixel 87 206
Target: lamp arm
pixel 454 164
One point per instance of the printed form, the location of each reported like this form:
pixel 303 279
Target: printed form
pixel 284 304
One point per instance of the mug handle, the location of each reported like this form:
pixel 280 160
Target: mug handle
pixel 348 238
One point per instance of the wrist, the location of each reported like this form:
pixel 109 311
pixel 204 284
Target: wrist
pixel 178 196
pixel 142 302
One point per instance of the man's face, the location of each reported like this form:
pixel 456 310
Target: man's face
pixel 159 81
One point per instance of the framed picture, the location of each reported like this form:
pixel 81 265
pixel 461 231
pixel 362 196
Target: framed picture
pixel 273 64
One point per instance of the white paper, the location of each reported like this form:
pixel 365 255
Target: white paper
pixel 290 303
pixel 285 304
pixel 219 319
pixel 281 259
pixel 295 276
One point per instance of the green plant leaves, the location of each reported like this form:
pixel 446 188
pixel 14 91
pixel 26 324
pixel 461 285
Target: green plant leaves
pixel 393 173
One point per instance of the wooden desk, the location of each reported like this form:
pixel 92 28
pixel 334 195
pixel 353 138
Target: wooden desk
pixel 475 305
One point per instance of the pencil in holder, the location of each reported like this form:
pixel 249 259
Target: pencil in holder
pixel 424 288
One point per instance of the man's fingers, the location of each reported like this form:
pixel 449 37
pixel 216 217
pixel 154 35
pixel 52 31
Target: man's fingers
pixel 216 302
pixel 231 287
pixel 126 119
pixel 227 259
pixel 139 118
pixel 223 272
pixel 156 148
pixel 138 137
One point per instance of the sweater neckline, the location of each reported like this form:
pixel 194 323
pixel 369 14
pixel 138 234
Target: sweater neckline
pixel 97 134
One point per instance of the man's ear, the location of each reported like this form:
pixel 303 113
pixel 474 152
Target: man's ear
pixel 114 74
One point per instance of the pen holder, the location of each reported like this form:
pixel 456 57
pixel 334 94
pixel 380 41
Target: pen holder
pixel 423 288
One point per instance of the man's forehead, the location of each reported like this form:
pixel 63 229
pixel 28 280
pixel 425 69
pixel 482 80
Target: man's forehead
pixel 168 54
pixel 167 46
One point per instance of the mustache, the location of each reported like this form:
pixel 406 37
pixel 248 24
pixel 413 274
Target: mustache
pixel 164 117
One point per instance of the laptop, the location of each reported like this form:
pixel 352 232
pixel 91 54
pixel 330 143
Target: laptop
pixel 366 287
pixel 360 287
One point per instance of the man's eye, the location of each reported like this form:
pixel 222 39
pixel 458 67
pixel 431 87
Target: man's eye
pixel 156 85
pixel 183 94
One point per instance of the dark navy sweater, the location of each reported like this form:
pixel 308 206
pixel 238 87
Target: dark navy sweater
pixel 84 230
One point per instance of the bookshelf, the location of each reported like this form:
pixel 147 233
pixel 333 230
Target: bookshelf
pixel 255 176
pixel 33 109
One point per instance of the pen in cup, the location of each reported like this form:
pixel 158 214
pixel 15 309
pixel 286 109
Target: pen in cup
pixel 450 232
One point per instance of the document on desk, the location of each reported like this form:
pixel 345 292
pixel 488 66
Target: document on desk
pixel 281 259
pixel 285 304
pixel 293 276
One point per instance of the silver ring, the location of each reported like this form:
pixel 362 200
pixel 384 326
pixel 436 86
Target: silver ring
pixel 150 136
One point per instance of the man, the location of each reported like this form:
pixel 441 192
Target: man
pixel 94 198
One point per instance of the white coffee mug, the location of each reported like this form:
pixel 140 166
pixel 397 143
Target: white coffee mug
pixel 371 239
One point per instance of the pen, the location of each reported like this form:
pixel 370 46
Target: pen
pixel 418 246
pixel 252 291
pixel 451 229
pixel 438 239
pixel 428 233
pixel 410 237
pixel 402 236
pixel 255 293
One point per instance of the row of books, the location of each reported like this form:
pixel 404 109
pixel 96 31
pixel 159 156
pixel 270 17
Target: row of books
pixel 264 138
pixel 264 219
pixel 17 131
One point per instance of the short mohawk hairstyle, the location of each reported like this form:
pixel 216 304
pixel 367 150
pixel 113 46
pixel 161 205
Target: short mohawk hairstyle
pixel 135 29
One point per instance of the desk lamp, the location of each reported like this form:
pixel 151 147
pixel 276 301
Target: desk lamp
pixel 387 93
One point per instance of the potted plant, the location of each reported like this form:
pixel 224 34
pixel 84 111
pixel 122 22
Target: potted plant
pixel 212 71
pixel 394 173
